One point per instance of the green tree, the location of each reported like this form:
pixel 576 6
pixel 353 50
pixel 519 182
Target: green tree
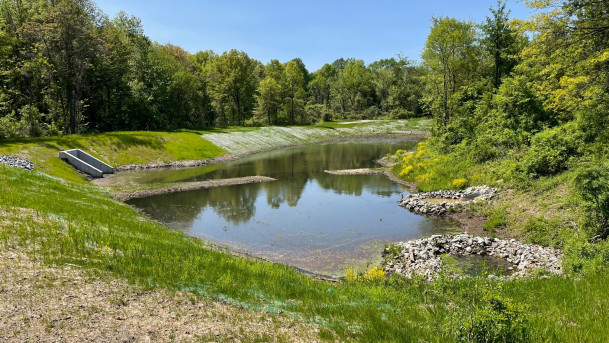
pixel 268 99
pixel 232 86
pixel 501 42
pixel 295 90
pixel 451 57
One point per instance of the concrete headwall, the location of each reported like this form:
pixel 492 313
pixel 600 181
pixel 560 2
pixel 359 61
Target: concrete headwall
pixel 86 163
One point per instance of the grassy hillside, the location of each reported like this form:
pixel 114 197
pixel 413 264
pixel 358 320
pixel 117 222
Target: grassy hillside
pixel 115 148
pixel 276 136
pixel 63 221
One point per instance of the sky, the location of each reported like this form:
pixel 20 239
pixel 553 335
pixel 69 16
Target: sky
pixel 316 31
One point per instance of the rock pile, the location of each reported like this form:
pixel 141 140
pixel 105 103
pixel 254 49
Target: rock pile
pixel 452 200
pixel 16 162
pixel 422 256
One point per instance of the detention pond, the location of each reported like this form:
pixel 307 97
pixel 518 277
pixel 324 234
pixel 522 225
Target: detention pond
pixel 315 221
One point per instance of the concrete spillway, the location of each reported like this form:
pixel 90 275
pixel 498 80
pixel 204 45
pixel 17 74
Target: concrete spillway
pixel 86 163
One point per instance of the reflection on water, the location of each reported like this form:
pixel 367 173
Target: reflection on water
pixel 307 218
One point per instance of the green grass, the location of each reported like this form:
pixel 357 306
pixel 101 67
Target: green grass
pixel 57 217
pixel 60 221
pixel 115 148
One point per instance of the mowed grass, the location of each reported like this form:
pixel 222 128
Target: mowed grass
pixel 114 148
pixel 59 222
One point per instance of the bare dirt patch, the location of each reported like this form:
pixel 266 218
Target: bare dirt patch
pixel 40 303
pixel 190 186
pixel 360 171
pixel 367 171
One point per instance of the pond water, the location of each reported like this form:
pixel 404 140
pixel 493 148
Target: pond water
pixel 307 218
pixel 476 265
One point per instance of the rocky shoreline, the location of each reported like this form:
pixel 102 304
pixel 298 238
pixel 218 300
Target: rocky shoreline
pixel 447 201
pixel 422 257
pixel 16 162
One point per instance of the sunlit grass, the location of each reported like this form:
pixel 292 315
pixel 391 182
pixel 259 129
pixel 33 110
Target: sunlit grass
pixel 115 148
pixel 61 222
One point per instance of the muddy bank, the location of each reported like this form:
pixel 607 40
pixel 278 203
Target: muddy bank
pixel 368 171
pixel 190 186
pixel 360 171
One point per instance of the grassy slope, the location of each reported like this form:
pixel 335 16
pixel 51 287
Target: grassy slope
pixel 115 148
pixel 64 220
pixel 277 136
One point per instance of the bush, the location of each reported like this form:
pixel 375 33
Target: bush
pixel 318 113
pixel 373 275
pixel 543 231
pixel 31 122
pixel 583 257
pixel 9 126
pixel 497 319
pixel 551 150
pixel 592 183
pixel 496 220
pixel 460 183
pixel 371 112
pixel 400 113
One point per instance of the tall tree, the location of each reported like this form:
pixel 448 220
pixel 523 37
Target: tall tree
pixel 450 55
pixel 294 90
pixel 501 43
pixel 268 99
pixel 233 84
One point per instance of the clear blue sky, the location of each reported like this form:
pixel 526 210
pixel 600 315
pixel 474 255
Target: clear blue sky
pixel 316 31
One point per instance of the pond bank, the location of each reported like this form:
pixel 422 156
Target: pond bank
pixel 423 256
pixel 255 149
pixel 195 185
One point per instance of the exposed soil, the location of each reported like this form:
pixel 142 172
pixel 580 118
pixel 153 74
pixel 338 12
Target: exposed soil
pixel 367 171
pixel 41 303
pixel 360 171
pixel 191 186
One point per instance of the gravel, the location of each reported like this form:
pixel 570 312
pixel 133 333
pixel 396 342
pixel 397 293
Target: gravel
pixel 16 162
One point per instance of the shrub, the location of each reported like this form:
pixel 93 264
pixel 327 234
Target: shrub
pixel 9 126
pixel 543 231
pixel 318 113
pixel 583 257
pixel 592 183
pixel 496 220
pixel 551 150
pixel 460 183
pixel 371 113
pixel 399 113
pixel 497 319
pixel 373 275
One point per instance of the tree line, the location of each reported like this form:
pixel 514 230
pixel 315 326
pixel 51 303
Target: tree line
pixel 504 86
pixel 65 67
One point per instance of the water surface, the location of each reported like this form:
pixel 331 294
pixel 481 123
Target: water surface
pixel 307 218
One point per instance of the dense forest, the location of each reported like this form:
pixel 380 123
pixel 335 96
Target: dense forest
pixel 524 105
pixel 65 67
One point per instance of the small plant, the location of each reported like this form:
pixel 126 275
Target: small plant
pixel 460 183
pixel 497 319
pixel 373 275
pixel 592 183
pixel 351 275
pixel 496 220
